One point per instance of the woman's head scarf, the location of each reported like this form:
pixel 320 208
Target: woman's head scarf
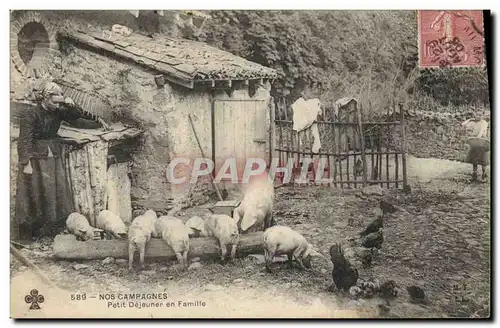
pixel 43 91
pixel 51 88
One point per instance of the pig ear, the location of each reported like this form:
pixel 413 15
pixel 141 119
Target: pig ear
pixel 247 222
pixel 307 252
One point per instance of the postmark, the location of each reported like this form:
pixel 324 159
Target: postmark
pixel 450 38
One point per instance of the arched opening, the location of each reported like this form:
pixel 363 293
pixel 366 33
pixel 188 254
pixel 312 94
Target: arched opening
pixel 33 42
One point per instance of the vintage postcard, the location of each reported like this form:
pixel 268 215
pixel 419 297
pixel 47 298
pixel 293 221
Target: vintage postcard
pixel 250 164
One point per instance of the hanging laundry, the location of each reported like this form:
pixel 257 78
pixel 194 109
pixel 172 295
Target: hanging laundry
pixel 342 102
pixel 305 114
pixel 134 12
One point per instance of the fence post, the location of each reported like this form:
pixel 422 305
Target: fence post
pixel 403 147
pixel 362 137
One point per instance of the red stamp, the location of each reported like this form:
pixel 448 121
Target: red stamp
pixel 450 38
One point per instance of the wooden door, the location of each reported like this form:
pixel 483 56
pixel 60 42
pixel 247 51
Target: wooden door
pixel 241 130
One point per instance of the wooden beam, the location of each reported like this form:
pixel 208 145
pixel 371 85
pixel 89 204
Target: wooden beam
pixel 68 248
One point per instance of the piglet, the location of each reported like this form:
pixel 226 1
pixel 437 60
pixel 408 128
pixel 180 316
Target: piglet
pixel 175 233
pixel 196 226
pixel 139 234
pixel 224 228
pixel 111 224
pixel 78 225
pixel 284 240
pixel 255 212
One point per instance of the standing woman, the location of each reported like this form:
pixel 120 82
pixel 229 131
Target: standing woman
pixel 43 197
pixel 479 144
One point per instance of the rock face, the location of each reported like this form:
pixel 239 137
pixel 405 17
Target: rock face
pixel 444 136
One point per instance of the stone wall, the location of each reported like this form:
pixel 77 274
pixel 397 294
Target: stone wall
pixel 135 98
pixel 436 135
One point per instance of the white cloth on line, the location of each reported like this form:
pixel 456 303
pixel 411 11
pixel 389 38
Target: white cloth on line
pixel 305 114
pixel 135 13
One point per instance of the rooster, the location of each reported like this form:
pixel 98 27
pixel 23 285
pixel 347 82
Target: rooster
pixel 373 240
pixel 344 274
pixel 373 227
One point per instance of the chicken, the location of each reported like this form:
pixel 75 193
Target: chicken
pixel 387 207
pixel 358 168
pixel 388 290
pixel 416 293
pixel 369 287
pixel 344 274
pixel 367 259
pixel 375 239
pixel 374 226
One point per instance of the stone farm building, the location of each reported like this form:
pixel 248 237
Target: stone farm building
pixel 147 86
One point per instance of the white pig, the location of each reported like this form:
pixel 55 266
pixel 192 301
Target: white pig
pixel 255 212
pixel 138 237
pixel 224 228
pixel 175 233
pixel 196 226
pixel 283 240
pixel 147 221
pixel 112 224
pixel 79 226
pixel 139 234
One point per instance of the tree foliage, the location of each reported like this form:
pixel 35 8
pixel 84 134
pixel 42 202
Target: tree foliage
pixel 371 55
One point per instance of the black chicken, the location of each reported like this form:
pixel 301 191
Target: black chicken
pixel 417 294
pixel 373 227
pixel 344 274
pixel 388 290
pixel 375 239
pixel 387 207
pixel 367 259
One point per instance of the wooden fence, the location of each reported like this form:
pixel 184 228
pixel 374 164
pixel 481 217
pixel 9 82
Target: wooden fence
pixel 353 153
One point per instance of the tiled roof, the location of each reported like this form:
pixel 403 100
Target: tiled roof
pixel 182 61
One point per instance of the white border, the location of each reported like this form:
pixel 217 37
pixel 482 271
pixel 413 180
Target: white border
pixel 189 4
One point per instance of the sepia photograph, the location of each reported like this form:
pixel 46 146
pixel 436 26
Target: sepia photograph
pixel 206 164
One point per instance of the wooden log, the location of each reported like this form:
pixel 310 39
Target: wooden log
pixel 66 247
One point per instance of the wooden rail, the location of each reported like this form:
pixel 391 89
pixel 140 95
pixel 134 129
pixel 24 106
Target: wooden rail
pixel 344 143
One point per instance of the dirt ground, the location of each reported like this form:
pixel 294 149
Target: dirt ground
pixel 440 241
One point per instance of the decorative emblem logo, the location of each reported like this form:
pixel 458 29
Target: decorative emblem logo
pixel 34 299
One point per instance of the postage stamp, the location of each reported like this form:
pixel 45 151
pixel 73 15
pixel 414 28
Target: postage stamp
pixel 450 38
pixel 163 167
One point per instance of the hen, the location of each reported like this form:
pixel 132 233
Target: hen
pixel 416 293
pixel 375 239
pixel 373 227
pixel 344 274
pixel 387 207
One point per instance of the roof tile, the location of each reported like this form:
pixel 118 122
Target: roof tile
pixel 183 59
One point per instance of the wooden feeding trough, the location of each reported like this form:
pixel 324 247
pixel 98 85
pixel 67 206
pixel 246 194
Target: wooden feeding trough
pixel 225 207
pixel 66 247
